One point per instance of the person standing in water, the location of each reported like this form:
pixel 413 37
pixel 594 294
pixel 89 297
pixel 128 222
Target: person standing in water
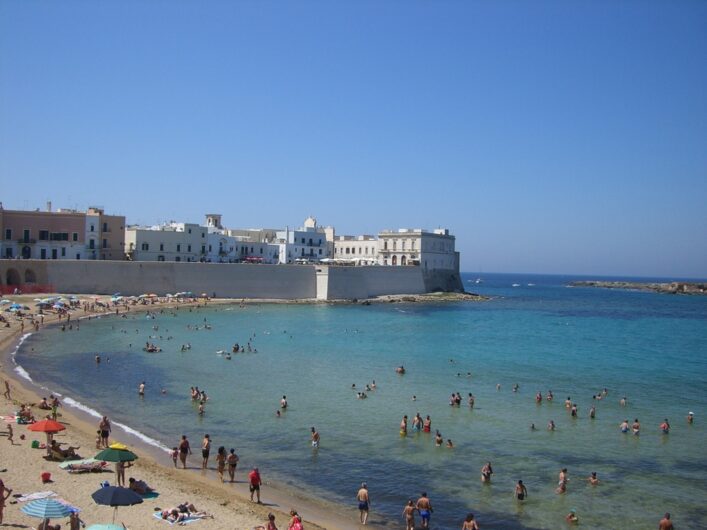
pixel 409 515
pixel 283 402
pixel 424 507
pixel 232 460
pixel 364 503
pixel 315 438
pixel 665 426
pixel 404 426
pixel 521 493
pixel 205 450
pixel 486 472
pixel 141 389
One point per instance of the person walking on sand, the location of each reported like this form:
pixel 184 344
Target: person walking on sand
pixel 255 483
pixel 424 507
pixel 7 390
pixel 4 494
pixel 205 449
pixel 409 515
pixel 364 503
pixel 9 434
pixel 104 427
pixel 184 449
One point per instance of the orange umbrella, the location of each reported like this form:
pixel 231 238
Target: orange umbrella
pixel 49 426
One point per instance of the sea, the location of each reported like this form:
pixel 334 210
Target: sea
pixel 589 345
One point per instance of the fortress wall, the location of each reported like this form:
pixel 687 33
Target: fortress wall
pixel 135 278
pixel 286 282
pixel 364 282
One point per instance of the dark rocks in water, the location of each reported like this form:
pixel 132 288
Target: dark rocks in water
pixel 665 288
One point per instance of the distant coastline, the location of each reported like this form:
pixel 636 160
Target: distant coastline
pixel 691 288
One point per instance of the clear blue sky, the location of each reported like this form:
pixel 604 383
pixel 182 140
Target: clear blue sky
pixel 558 137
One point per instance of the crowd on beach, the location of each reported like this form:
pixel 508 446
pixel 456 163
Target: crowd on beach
pixel 227 460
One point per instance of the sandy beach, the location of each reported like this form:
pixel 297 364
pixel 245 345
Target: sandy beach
pixel 22 467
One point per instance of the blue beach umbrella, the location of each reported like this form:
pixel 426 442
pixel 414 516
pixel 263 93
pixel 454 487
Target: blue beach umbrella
pixel 46 509
pixel 105 527
pixel 116 496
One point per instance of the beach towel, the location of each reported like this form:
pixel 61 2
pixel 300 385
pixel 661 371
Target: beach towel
pixel 70 463
pixel 158 516
pixel 10 418
pixel 81 466
pixel 34 496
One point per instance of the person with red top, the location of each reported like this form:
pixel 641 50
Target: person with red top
pixel 255 482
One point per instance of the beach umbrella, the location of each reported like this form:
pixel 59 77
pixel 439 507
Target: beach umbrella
pixel 116 496
pixel 105 526
pixel 50 426
pixel 47 509
pixel 15 306
pixel 115 455
pixel 3 302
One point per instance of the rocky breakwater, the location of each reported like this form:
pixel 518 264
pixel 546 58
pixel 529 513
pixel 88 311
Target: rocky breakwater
pixel 427 298
pixel 665 288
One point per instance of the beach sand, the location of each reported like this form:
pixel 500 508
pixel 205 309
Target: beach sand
pixel 22 467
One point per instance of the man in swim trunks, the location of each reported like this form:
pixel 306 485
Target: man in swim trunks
pixel 315 438
pixel 665 426
pixel 364 503
pixel 205 450
pixel 521 492
pixel 424 507
pixel 255 482
pixel 104 427
pixel 624 426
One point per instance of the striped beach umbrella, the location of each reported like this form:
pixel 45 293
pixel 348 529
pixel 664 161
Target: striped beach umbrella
pixel 46 509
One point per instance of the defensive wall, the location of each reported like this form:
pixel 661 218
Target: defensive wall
pixel 287 282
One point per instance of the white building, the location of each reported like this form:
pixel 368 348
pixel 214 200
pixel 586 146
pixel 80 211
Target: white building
pixel 311 243
pixel 167 242
pixel 356 250
pixel 430 250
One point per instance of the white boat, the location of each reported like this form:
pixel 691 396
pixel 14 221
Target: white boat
pixel 516 285
pixel 478 280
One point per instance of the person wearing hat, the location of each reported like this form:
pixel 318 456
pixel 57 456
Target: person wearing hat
pixel 364 502
pixel 255 482
pixel 690 417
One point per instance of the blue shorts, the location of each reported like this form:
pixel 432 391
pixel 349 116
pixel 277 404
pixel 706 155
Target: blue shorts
pixel 425 514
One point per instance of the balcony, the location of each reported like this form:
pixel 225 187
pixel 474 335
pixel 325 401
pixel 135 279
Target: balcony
pixel 23 241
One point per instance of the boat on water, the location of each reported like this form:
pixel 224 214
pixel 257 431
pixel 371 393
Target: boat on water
pixel 516 285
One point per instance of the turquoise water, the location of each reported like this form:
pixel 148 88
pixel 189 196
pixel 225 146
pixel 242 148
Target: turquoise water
pixel 651 348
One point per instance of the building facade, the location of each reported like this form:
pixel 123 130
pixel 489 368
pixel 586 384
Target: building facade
pixel 433 251
pixel 61 234
pixel 356 250
pixel 168 242
pixel 308 244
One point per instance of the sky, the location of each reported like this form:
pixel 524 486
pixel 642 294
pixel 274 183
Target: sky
pixel 549 136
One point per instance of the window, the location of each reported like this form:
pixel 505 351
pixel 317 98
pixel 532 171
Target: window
pixel 385 246
pixel 8 234
pixel 179 248
pixel 92 244
pixel 203 249
pixel 78 256
pixel 105 243
pixel 403 245
pixel 63 252
pixel 26 236
pixel 320 251
pixel 43 253
pixel 161 247
pixel 348 250
pixel 190 230
pixel 202 234
pixel 105 227
pixel 177 259
pixel 303 241
pixel 145 246
pixel 44 235
pixel 360 249
pixel 160 258
pixel 188 248
pixel 209 248
pixel 75 236
pixel 91 228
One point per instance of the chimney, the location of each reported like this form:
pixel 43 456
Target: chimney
pixel 49 206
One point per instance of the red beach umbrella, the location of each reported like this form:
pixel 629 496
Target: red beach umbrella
pixel 49 426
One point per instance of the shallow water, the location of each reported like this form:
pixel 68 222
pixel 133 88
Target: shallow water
pixel 649 347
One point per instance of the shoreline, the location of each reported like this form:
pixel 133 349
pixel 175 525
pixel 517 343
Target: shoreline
pixel 200 486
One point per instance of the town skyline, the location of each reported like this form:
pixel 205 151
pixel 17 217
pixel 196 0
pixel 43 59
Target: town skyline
pixel 558 138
